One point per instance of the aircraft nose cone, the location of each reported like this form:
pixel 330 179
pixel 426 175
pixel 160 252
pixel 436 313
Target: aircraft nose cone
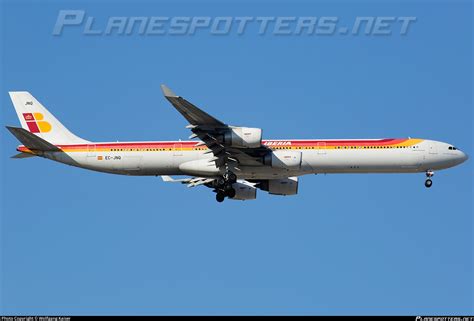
pixel 461 157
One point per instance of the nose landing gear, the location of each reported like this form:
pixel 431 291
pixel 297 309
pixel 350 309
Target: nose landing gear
pixel 429 182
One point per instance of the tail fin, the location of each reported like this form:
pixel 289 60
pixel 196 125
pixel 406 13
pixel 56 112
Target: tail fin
pixel 38 120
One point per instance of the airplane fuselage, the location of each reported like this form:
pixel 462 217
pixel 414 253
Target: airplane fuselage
pixel 406 155
pixel 233 161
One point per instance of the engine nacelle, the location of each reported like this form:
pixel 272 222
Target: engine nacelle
pixel 244 137
pixel 286 159
pixel 244 191
pixel 286 186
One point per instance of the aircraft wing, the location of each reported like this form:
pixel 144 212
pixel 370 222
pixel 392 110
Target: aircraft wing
pixel 194 115
pixel 190 181
pixel 208 129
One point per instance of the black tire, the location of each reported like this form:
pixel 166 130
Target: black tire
pixel 220 197
pixel 230 192
pixel 220 182
pixel 232 178
pixel 428 183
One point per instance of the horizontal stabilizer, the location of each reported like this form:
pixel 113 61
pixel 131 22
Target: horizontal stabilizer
pixel 31 141
pixel 23 155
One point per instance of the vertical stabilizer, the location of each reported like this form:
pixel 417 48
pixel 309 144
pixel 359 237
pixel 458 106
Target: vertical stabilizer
pixel 38 120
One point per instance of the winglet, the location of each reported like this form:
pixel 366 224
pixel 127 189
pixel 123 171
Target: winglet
pixel 167 92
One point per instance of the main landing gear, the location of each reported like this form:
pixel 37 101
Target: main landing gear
pixel 224 186
pixel 428 181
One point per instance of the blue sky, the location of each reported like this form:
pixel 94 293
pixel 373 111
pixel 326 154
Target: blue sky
pixel 80 242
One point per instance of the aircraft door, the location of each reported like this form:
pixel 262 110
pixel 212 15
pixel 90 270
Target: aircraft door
pixel 91 154
pixel 321 148
pixel 178 149
pixel 91 151
pixel 177 154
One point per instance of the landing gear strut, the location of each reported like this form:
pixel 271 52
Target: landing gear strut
pixel 429 182
pixel 230 177
pixel 224 186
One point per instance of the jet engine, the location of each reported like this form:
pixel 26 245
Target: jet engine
pixel 244 191
pixel 286 159
pixel 243 137
pixel 286 186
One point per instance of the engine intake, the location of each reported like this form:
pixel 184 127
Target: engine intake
pixel 244 137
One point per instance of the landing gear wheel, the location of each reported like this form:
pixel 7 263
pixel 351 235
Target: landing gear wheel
pixel 232 178
pixel 230 192
pixel 428 183
pixel 221 182
pixel 220 197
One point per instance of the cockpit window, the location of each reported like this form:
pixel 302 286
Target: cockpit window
pixel 452 148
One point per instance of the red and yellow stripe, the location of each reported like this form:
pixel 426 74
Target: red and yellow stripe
pixel 272 144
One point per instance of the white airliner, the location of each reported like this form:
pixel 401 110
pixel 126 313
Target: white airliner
pixel 233 161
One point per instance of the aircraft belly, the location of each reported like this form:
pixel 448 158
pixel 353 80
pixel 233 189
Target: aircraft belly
pixel 170 163
pixel 363 161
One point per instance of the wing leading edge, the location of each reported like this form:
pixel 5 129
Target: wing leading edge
pixel 210 130
pixel 193 114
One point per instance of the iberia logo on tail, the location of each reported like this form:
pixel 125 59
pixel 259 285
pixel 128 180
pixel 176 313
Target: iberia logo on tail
pixel 35 123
